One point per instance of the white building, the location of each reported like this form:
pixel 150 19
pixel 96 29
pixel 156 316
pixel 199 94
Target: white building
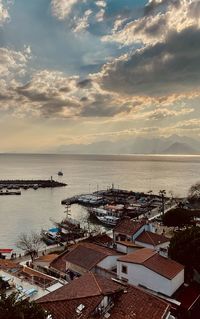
pixel 145 267
pixel 154 241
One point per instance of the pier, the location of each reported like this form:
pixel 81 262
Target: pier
pixel 25 184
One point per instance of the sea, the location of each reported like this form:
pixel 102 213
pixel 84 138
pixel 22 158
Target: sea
pixel 37 209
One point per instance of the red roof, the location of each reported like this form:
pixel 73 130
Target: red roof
pixel 87 290
pixel 128 227
pixel 88 285
pixel 135 303
pixel 5 251
pixel 151 259
pixel 85 255
pixel 189 296
pixel 150 238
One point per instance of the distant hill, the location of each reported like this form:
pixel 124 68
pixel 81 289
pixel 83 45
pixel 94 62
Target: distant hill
pixel 173 144
pixel 180 148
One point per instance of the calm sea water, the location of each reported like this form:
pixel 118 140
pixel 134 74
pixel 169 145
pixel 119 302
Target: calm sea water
pixel 86 173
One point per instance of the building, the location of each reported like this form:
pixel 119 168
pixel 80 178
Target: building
pixel 129 230
pixel 85 257
pixel 85 297
pixel 151 240
pixel 93 296
pixel 147 268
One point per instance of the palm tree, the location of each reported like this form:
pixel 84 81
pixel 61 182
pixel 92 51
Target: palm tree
pixel 11 307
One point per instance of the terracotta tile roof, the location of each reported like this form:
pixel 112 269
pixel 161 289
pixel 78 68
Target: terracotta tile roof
pixel 128 227
pixel 88 285
pixel 188 296
pixel 151 238
pixel 88 290
pixel 101 239
pixel 138 256
pixel 137 304
pixel 85 255
pixel 67 309
pixel 149 258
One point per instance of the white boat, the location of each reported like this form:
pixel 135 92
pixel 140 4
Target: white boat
pixel 104 216
pixel 108 220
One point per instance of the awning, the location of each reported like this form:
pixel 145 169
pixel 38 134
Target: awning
pixel 5 251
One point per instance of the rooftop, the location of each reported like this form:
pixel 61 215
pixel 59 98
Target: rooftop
pixel 88 290
pixel 151 259
pixel 144 306
pixel 150 238
pixel 85 255
pixel 128 227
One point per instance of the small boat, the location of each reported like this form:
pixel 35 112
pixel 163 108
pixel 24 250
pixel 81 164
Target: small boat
pixel 60 173
pixel 104 216
pixel 51 236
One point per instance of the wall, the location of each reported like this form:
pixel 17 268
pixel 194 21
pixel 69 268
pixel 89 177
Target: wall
pixel 125 249
pixel 108 262
pixel 140 275
pixel 75 268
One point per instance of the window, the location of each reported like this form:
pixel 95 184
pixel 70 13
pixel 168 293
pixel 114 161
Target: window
pixel 124 269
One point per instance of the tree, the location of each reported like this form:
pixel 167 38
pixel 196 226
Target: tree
pixel 177 217
pixel 185 247
pixel 30 243
pixel 11 307
pixel 194 193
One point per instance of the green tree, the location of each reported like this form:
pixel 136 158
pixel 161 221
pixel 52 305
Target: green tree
pixel 177 217
pixel 12 308
pixel 185 247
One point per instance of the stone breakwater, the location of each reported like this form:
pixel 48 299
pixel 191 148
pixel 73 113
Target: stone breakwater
pixel 15 184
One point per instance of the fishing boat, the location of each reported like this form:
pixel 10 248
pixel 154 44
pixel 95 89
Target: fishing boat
pixel 104 216
pixel 60 173
pixel 108 220
pixel 51 236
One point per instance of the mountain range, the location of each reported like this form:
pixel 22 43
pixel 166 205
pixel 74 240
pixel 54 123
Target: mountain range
pixel 174 144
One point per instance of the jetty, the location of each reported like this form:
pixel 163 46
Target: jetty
pixel 9 193
pixel 25 184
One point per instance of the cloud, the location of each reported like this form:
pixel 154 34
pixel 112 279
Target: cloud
pixel 62 8
pixel 163 113
pixel 152 5
pixel 162 69
pixel 4 14
pixel 82 23
pixel 156 26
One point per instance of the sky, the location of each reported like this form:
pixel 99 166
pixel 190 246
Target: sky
pixel 84 71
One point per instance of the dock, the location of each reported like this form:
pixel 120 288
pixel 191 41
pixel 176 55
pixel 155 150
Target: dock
pixel 25 184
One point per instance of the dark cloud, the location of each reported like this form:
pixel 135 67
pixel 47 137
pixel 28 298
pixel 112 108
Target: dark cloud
pixel 152 6
pixel 151 29
pixel 161 69
pixel 84 83
pixel 33 95
pixel 102 106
